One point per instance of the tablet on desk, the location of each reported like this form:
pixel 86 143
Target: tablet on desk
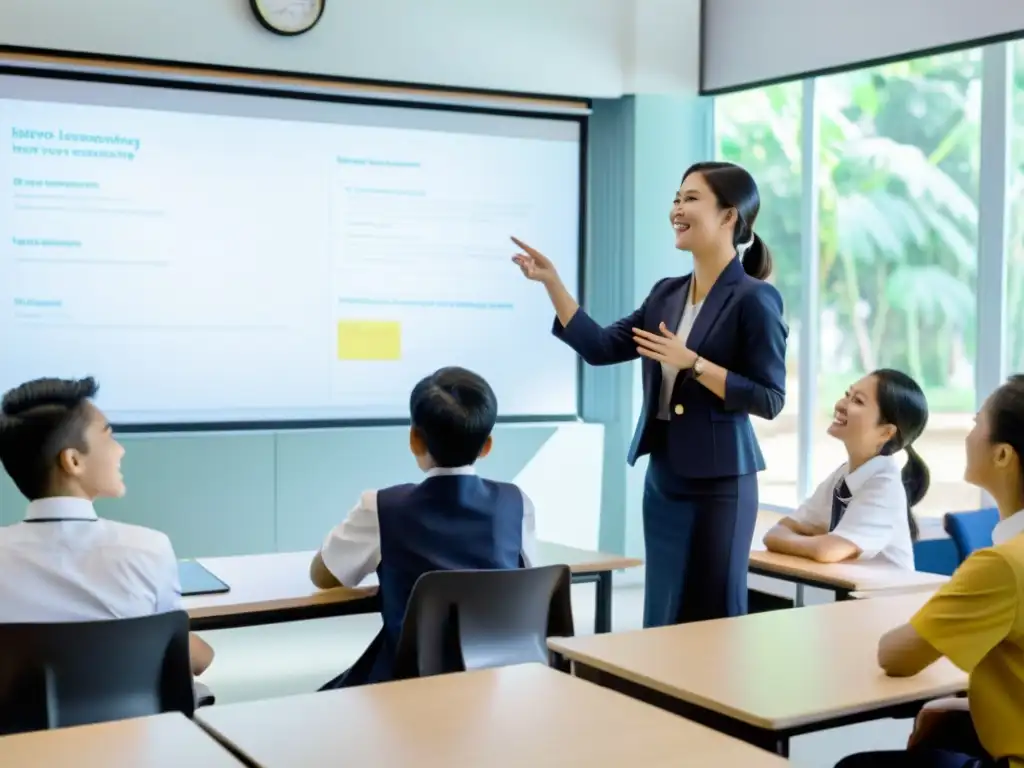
pixel 196 580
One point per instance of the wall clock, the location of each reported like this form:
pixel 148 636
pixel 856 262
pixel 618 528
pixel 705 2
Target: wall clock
pixel 288 17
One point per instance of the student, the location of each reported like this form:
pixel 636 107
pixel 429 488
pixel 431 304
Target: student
pixel 63 563
pixel 453 520
pixel 862 510
pixel 975 620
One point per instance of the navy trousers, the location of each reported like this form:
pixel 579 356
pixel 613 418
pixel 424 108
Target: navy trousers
pixel 697 537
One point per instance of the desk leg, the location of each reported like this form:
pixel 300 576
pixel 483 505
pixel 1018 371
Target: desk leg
pixel 603 603
pixel 798 600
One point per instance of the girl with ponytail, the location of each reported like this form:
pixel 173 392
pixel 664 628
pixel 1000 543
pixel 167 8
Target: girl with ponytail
pixel 863 509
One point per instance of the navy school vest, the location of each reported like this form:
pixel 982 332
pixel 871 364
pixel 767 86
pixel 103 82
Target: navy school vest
pixel 447 522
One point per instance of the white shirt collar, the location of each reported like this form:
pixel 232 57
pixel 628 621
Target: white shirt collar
pixel 1008 528
pixel 469 469
pixel 61 508
pixel 867 470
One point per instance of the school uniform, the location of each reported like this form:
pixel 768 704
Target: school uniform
pixel 868 508
pixel 453 520
pixel 63 563
pixel 976 622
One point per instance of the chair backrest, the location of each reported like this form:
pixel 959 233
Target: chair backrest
pixel 971 530
pixel 936 555
pixel 463 620
pixel 78 673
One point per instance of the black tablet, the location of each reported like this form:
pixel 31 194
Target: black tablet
pixel 196 580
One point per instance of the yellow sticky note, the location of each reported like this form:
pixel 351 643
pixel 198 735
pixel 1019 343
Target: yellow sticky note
pixel 369 340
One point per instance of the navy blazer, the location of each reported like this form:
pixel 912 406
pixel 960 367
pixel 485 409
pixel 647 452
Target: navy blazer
pixel 739 327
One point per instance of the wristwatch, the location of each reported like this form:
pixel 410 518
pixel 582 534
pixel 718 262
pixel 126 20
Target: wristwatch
pixel 698 368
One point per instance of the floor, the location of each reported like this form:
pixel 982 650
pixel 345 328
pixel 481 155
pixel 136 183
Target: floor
pixel 285 659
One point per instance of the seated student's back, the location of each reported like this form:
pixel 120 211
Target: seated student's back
pixel 64 563
pixel 74 566
pixel 863 509
pixel 452 520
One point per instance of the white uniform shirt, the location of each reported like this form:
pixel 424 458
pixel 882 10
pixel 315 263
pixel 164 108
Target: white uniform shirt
pixel 669 373
pixel 351 551
pixel 71 565
pixel 876 516
pixel 1008 528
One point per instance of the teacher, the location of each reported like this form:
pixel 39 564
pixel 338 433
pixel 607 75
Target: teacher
pixel 713 344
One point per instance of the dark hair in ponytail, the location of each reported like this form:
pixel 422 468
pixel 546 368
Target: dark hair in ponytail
pixel 916 479
pixel 757 259
pixel 901 402
pixel 735 188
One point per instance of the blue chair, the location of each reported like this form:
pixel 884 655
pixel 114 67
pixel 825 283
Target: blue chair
pixel 971 531
pixel 938 555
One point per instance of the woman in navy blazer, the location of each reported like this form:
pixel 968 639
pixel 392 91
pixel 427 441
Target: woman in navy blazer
pixel 713 345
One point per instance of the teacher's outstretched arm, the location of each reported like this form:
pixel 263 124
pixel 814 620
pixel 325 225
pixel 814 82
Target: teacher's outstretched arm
pixel 597 345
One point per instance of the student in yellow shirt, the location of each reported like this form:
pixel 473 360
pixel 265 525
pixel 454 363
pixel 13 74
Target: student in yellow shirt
pixel 976 620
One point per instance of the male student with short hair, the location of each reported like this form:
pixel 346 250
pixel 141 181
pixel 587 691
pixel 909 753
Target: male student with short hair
pixel 63 563
pixel 452 520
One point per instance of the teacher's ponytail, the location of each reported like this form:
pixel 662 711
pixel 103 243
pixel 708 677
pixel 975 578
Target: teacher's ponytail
pixel 757 258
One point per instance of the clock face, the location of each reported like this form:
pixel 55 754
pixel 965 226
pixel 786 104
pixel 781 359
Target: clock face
pixel 288 17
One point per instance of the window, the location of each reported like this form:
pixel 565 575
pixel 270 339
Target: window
pixel 1014 341
pixel 760 130
pixel 900 150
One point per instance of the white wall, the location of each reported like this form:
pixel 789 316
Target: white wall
pixel 594 48
pixel 665 48
pixel 753 41
pixel 564 482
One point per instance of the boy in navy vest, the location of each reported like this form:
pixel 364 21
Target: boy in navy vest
pixel 453 520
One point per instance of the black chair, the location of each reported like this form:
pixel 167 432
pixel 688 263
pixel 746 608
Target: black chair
pixel 57 675
pixel 463 620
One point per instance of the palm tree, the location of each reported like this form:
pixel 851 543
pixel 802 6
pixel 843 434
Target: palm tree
pixel 882 203
pixel 898 232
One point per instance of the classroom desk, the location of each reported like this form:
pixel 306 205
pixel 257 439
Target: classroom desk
pixel 272 588
pixel 510 717
pixel 844 579
pixel 161 741
pixel 925 591
pixel 767 677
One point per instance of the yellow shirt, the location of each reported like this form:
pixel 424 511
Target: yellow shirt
pixel 976 621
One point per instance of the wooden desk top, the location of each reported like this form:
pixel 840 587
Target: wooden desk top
pixel 280 581
pixel 775 670
pixel 853 576
pixel 926 591
pixel 163 741
pixel 271 582
pixel 501 718
pixel 859 576
pixel 583 560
